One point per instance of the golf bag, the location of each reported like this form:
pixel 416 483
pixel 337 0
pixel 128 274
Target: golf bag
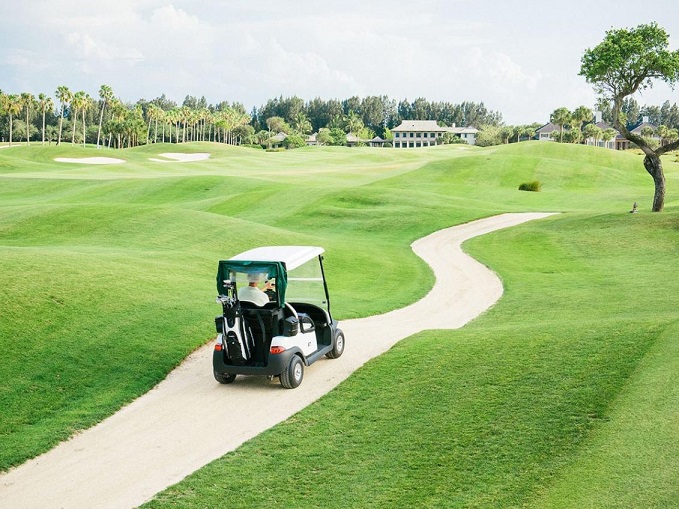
pixel 236 335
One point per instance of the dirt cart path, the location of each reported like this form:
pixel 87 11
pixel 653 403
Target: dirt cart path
pixel 189 420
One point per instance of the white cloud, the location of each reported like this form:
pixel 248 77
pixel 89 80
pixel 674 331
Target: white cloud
pixel 522 61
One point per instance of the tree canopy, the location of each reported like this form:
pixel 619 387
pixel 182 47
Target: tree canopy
pixel 625 62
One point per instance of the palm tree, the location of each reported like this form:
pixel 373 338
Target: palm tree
pixel 75 104
pixel 185 117
pixel 27 101
pixel 580 115
pixel 560 117
pixel 593 132
pixel 81 102
pixel 106 94
pixel 12 107
pixel 86 105
pixel 301 123
pixel 353 122
pixel 45 103
pixel 118 114
pixel 65 96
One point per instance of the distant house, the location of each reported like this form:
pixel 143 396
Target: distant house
pixel 646 124
pixel 619 142
pixel 377 142
pixel 468 134
pixel 352 140
pixel 275 140
pixel 544 133
pixel 425 133
pixel 312 140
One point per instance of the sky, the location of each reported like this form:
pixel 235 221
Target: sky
pixel 520 59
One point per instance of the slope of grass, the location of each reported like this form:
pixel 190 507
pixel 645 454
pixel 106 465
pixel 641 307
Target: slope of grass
pixel 541 402
pixel 108 281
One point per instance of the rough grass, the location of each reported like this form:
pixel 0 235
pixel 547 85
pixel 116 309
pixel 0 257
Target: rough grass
pixel 108 282
pixel 563 395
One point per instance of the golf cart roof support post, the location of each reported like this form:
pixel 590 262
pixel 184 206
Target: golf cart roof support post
pixel 325 285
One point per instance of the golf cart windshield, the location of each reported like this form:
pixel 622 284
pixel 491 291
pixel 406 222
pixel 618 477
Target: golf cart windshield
pixel 306 284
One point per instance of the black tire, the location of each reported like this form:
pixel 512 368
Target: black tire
pixel 292 376
pixel 338 345
pixel 224 378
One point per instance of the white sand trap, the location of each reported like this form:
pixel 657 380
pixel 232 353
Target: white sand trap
pixel 89 160
pixel 188 419
pixel 179 157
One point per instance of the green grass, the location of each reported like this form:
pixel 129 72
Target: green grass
pixel 108 282
pixel 562 395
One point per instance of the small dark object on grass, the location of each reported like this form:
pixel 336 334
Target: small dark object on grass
pixel 535 186
pixel 634 208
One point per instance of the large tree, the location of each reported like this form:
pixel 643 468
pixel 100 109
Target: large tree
pixel 28 102
pixel 46 104
pixel 80 102
pixel 560 117
pixel 65 97
pixel 12 106
pixel 105 94
pixel 627 61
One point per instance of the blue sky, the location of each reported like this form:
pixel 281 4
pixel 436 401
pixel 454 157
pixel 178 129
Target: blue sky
pixel 519 58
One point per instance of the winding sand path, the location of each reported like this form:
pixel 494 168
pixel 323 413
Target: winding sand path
pixel 189 420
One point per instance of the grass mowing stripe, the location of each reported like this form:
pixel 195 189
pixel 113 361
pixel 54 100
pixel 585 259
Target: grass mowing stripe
pixel 488 415
pixel 633 459
pixel 525 387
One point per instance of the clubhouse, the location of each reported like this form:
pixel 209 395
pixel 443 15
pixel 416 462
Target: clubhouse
pixel 425 133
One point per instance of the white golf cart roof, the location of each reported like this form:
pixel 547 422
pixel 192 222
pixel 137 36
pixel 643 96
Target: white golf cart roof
pixel 291 256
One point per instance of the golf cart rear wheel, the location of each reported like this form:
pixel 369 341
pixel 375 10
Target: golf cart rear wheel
pixel 292 376
pixel 224 378
pixel 338 347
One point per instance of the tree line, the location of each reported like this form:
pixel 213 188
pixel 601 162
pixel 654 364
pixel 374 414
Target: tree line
pixel 578 125
pixel 105 120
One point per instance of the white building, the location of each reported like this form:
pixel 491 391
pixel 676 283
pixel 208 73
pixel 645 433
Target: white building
pixel 425 133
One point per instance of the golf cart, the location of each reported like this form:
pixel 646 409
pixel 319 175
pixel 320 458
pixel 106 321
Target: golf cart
pixel 291 327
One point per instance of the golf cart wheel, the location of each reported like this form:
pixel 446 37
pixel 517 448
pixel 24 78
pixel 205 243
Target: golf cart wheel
pixel 224 378
pixel 338 347
pixel 292 376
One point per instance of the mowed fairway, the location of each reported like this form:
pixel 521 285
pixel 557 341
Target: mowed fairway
pixel 564 394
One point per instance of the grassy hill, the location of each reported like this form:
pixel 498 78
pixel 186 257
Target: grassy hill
pixel 562 395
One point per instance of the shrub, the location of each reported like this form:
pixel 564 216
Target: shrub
pixel 294 141
pixel 534 185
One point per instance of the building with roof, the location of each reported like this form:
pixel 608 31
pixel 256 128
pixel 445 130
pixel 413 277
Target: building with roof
pixel 544 133
pixel 619 142
pixel 645 124
pixel 425 133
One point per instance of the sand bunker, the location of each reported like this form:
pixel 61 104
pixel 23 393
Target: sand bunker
pixel 179 157
pixel 89 160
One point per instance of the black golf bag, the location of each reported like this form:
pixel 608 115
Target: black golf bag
pixel 236 334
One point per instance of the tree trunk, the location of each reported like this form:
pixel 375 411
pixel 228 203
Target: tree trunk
pixel 101 121
pixel 653 166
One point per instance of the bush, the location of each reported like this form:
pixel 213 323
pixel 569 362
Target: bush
pixel 252 145
pixel 294 141
pixel 535 186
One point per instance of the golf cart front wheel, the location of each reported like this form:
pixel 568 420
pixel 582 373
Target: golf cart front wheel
pixel 338 346
pixel 224 378
pixel 292 376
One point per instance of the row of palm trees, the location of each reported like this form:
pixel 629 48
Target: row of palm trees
pixel 121 125
pixel 582 128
